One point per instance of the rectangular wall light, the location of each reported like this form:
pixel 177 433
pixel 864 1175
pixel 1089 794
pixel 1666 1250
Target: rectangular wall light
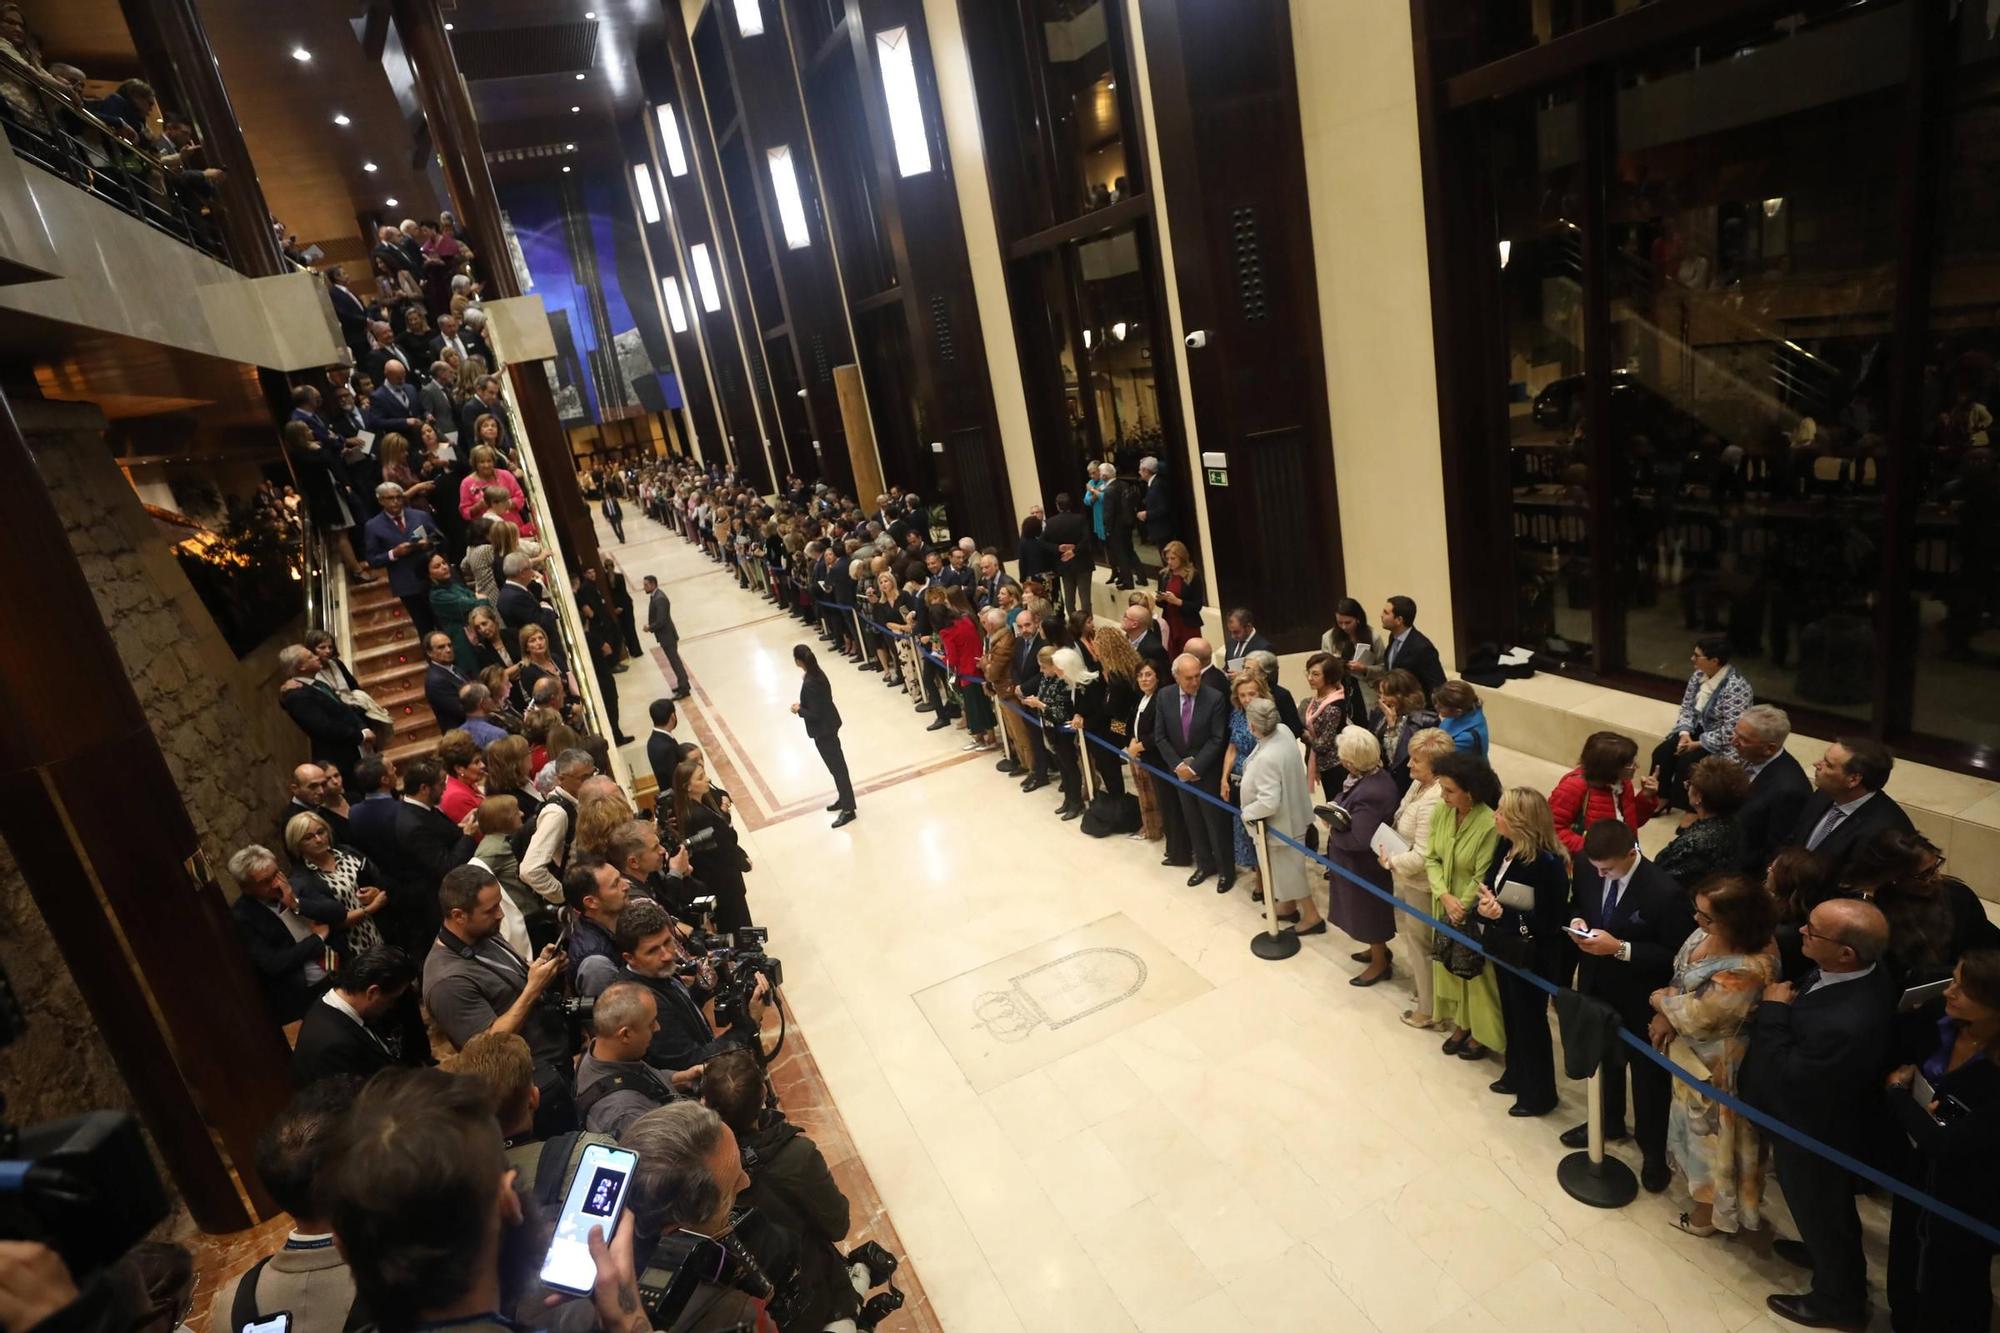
pixel 791 207
pixel 642 179
pixel 906 110
pixel 749 18
pixel 704 279
pixel 670 287
pixel 670 139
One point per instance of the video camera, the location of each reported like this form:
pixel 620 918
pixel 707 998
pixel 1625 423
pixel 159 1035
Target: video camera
pixel 738 959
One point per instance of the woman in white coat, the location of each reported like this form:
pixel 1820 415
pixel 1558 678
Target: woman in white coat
pixel 1274 789
pixel 1413 885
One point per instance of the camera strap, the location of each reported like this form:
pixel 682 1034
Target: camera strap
pixel 625 1080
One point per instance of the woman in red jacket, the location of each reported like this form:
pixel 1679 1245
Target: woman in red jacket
pixel 1600 787
pixel 964 646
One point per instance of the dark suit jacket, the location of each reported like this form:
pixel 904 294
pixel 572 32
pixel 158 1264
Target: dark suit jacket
pixel 371 826
pixel 406 573
pixel 663 752
pixel 1159 507
pixel 660 617
pixel 1233 652
pixel 280 960
pixel 1201 744
pixel 423 846
pixel 1818 1062
pixel 330 1044
pixel 1068 529
pixel 1153 649
pixel 342 837
pixel 1655 915
pixel 1879 812
pixel 335 728
pixel 1781 787
pixel 441 687
pixel 816 708
pixel 1027 671
pixel 1418 656
pixel 1215 678
pixel 469 413
pixel 1288 712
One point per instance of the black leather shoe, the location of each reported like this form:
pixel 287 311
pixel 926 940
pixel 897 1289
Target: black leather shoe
pixel 1225 884
pixel 1175 862
pixel 1316 928
pixel 1034 784
pixel 1198 876
pixel 620 740
pixel 683 694
pixel 1363 956
pixel 939 725
pixel 1578 1136
pixel 835 806
pixel 926 707
pixel 1518 1111
pixel 1070 812
pixel 1793 1252
pixel 1800 1310
pixel 1655 1177
pixel 844 817
pixel 1500 1085
pixel 1007 766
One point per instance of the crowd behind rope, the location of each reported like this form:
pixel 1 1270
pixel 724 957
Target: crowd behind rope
pixel 1767 949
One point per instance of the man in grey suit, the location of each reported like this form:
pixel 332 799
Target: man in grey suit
pixel 435 398
pixel 660 622
pixel 1191 731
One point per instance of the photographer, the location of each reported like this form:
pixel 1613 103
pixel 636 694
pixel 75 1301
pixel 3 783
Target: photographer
pixel 595 893
pixel 614 1084
pixel 680 1199
pixel 654 957
pixel 474 983
pixel 634 847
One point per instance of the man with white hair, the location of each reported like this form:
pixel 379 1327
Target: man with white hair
pixel 1778 785
pixel 1156 510
pixel 287 949
pixel 403 539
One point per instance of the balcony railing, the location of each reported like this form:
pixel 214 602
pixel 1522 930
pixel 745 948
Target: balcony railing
pixel 47 124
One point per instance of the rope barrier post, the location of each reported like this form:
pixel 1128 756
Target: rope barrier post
pixel 1083 766
pixel 1274 944
pixel 1003 731
pixel 1588 1175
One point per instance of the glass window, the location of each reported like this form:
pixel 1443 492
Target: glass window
pixel 1535 154
pixel 1751 291
pixel 1116 314
pixel 1955 567
pixel 1081 58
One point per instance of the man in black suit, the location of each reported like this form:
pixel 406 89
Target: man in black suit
pixel 1144 635
pixel 403 540
pixel 1778 786
pixel 443 680
pixel 344 1033
pixel 349 310
pixel 287 950
pixel 1638 917
pixel 1266 661
pixel 1817 1056
pixel 308 792
pixel 1191 733
pixel 1212 676
pixel 986 592
pixel 1849 806
pixel 1242 640
pixel 1027 680
pixel 484 401
pixel 371 815
pixel 1408 647
pixel 521 605
pixel 335 728
pixel 660 624
pixel 382 350
pixel 1156 509
pixel 395 406
pixel 389 249
pixel 422 847
pixel 663 748
pixel 1068 533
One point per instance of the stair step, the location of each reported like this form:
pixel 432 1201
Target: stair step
pixel 387 656
pixel 404 751
pixel 383 635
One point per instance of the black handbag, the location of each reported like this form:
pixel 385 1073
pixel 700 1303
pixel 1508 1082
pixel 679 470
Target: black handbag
pixel 1513 944
pixel 1461 960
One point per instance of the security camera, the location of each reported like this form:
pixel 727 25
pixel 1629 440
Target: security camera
pixel 1197 340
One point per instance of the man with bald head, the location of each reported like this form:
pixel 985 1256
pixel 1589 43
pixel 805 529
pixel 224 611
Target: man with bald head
pixel 1144 636
pixel 309 794
pixel 1191 732
pixel 394 406
pixel 1212 675
pixel 1819 1048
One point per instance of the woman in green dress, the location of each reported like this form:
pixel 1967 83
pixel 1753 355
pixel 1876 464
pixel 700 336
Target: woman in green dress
pixel 1461 848
pixel 451 603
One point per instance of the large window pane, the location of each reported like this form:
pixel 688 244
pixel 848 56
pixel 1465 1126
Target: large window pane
pixel 1955 574
pixel 1536 178
pixel 1116 309
pixel 1751 295
pixel 1080 73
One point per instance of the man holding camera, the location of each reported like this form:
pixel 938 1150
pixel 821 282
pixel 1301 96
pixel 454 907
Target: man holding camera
pixel 653 957
pixel 595 894
pixel 634 848
pixel 614 1084
pixel 474 983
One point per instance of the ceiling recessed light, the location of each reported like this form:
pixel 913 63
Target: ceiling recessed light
pixel 447 27
pixel 579 78
pixel 565 171
pixel 340 118
pixel 576 108
pixel 569 148
pixel 300 54
pixel 389 203
pixel 369 167
pixel 590 13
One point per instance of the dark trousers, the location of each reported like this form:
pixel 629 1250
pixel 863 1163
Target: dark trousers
pixel 1673 767
pixel 672 648
pixel 607 684
pixel 419 606
pixel 1821 1196
pixel 1208 831
pixel 1124 560
pixel 1652 1093
pixel 1531 1060
pixel 555 1112
pixel 1940 1275
pixel 1106 764
pixel 1072 583
pixel 836 764
pixel 630 624
pixel 1063 746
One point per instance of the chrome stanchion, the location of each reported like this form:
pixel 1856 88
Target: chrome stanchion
pixel 1590 1176
pixel 1274 943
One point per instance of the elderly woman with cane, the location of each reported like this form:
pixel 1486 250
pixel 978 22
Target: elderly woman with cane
pixel 1273 788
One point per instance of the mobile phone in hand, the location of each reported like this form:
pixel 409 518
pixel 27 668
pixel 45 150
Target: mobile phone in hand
pixel 596 1199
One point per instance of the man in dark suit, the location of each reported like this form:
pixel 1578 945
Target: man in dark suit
pixel 371 815
pixel 1191 734
pixel 403 539
pixel 1778 786
pixel 1848 806
pixel 1408 648
pixel 389 249
pixel 663 748
pixel 349 310
pixel 422 847
pixel 434 398
pixel 344 1033
pixel 660 624
pixel 1266 661
pixel 287 950
pixel 448 337
pixel 1817 1056
pixel 1027 680
pixel 443 680
pixel 1143 633
pixel 394 406
pixel 1242 640
pixel 382 350
pixel 308 796
pixel 1068 533
pixel 483 402
pixel 1638 917
pixel 1156 510
pixel 986 592
pixel 1212 676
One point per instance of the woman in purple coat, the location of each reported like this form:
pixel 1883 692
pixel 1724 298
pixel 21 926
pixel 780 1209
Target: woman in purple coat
pixel 1369 798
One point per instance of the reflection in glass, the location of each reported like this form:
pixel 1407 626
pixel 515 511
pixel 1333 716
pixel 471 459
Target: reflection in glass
pixel 1115 312
pixel 1083 107
pixel 785 189
pixel 1751 288
pixel 670 139
pixel 704 279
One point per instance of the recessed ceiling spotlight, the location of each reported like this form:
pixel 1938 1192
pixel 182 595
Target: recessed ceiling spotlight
pixel 579 78
pixel 565 171
pixel 576 108
pixel 300 54
pixel 340 118
pixel 569 148
pixel 447 27
pixel 369 167
pixel 389 203
pixel 590 13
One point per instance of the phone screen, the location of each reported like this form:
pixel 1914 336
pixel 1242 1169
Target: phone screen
pixel 596 1197
pixel 1580 934
pixel 281 1322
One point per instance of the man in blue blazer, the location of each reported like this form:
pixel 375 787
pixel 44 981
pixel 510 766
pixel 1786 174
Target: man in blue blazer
pixel 395 404
pixel 443 680
pixel 1191 732
pixel 403 540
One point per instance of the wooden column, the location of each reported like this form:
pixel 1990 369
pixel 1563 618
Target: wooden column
pixel 172 43
pixel 95 821
pixel 448 110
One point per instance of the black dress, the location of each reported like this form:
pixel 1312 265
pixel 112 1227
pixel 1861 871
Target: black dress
pixel 1533 939
pixel 719 863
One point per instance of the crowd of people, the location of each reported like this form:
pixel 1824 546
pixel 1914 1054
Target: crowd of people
pixel 1730 951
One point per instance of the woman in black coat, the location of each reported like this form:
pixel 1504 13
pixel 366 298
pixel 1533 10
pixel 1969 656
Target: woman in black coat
pixel 1528 854
pixel 719 860
pixel 1037 557
pixel 1107 704
pixel 815 708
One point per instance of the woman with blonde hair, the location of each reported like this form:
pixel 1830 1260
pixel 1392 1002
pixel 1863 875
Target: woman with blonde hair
pixel 1107 705
pixel 394 453
pixel 600 809
pixel 1181 596
pixel 339 874
pixel 1413 886
pixel 1527 856
pixel 1248 685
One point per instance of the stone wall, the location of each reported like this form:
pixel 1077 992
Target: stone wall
pixel 217 721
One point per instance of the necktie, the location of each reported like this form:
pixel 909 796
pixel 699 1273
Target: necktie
pixel 1187 714
pixel 1612 888
pixel 1827 824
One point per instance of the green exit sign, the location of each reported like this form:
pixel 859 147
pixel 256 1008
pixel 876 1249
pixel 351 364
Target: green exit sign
pixel 1218 476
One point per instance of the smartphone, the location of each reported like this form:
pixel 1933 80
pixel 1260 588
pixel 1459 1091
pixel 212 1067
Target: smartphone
pixel 281 1322
pixel 596 1198
pixel 1579 934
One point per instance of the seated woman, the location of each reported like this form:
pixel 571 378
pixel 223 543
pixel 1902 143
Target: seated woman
pixel 1699 1020
pixel 1599 787
pixel 1715 697
pixel 1707 842
pixel 1462 718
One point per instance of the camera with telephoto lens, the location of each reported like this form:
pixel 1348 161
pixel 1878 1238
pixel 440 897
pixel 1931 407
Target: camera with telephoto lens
pixel 737 960
pixel 576 1011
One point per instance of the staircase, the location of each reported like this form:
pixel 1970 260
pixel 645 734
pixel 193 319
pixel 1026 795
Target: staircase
pixel 389 663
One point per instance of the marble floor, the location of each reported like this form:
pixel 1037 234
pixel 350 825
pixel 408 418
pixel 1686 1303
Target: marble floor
pixel 1261 1146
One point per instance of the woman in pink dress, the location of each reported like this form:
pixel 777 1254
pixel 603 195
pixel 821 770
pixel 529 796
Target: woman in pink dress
pixel 486 472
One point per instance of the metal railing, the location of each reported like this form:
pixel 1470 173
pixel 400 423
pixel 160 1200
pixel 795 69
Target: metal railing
pixel 47 123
